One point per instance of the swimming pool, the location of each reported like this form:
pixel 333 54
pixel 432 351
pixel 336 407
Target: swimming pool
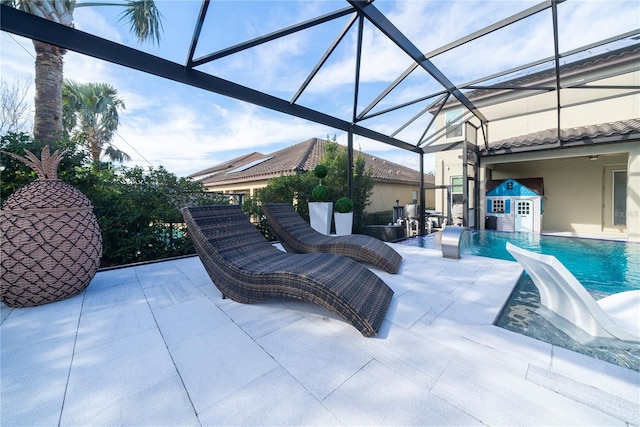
pixel 603 267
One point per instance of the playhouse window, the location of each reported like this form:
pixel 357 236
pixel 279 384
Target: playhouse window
pixel 509 185
pixel 524 208
pixel 497 206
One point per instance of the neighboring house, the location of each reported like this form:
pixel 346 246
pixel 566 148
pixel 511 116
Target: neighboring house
pixel 246 174
pixel 591 177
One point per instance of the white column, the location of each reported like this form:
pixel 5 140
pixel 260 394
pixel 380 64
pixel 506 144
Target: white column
pixel 482 203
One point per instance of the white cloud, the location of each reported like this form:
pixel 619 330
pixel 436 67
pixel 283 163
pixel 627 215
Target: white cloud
pixel 382 61
pixel 605 19
pixel 252 130
pixel 190 139
pixel 85 69
pixel 18 56
pixel 91 20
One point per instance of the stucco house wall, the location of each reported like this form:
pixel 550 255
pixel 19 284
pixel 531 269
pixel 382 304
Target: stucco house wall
pixel 578 110
pixel 575 191
pixel 248 188
pixel 448 165
pixel 384 196
pixel 578 191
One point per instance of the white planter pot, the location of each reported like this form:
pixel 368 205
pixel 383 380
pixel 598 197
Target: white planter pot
pixel 344 223
pixel 320 216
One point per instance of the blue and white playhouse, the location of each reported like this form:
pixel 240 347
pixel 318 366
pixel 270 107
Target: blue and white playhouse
pixel 512 206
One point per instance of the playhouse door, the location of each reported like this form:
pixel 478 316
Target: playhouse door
pixel 524 216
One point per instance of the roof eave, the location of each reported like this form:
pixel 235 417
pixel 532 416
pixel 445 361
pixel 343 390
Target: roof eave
pixel 560 145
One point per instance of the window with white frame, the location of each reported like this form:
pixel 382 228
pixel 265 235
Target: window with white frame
pixel 497 205
pixel 456 185
pixel 453 120
pixel 456 189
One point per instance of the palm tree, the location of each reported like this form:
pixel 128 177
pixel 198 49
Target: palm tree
pixel 90 115
pixel 145 21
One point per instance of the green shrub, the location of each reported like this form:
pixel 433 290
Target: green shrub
pixel 344 205
pixel 138 209
pixel 297 188
pixel 321 171
pixel 320 193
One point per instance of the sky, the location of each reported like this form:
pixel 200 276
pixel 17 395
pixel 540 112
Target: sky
pixel 186 129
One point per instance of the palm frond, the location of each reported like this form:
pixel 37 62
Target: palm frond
pixel 116 154
pixel 144 18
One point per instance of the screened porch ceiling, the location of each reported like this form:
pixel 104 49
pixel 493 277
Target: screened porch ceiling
pixel 369 68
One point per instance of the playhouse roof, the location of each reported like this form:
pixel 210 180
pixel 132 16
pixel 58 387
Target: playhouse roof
pixel 511 187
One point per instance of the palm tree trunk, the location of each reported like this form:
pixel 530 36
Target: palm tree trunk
pixel 48 100
pixel 95 148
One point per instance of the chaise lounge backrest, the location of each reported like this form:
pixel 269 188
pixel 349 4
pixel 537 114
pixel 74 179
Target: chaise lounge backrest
pixel 245 267
pixel 297 236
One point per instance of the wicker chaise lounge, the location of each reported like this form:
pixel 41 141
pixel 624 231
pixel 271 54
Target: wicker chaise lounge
pixel 297 236
pixel 245 267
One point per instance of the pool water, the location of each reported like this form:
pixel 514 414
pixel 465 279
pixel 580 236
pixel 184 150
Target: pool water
pixel 603 268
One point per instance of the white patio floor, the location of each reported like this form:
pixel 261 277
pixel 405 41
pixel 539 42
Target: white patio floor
pixel 157 345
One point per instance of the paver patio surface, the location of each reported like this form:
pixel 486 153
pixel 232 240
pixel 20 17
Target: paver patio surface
pixel 157 345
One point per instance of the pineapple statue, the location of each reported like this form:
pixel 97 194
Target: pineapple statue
pixel 50 241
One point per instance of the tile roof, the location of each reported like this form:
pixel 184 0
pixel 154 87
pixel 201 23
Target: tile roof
pixel 228 165
pixel 571 136
pixel 300 157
